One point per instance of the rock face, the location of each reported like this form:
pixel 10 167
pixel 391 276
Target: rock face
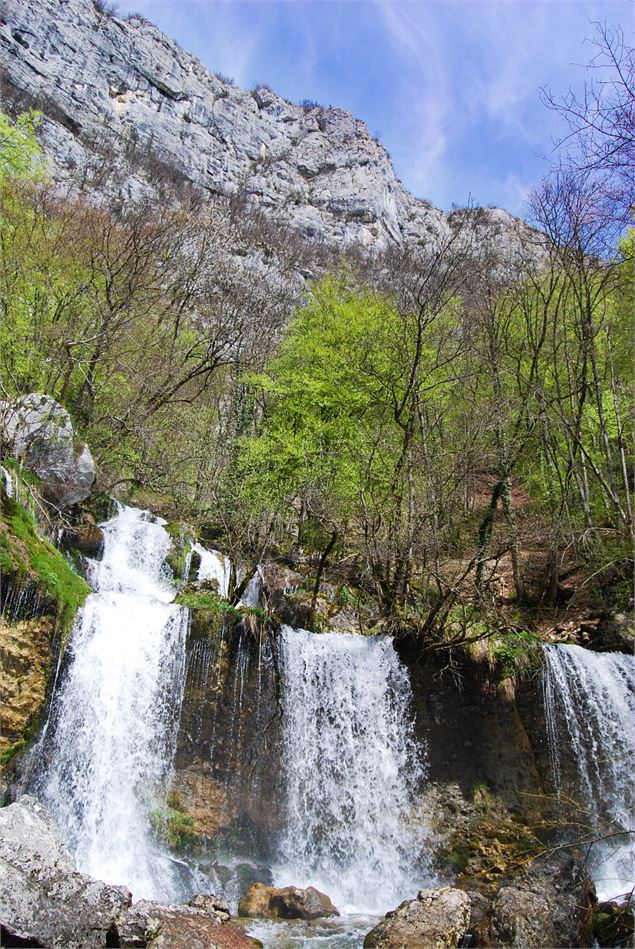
pixel 42 896
pixel 106 84
pixel 436 919
pixel 45 901
pixel 287 902
pixel 38 430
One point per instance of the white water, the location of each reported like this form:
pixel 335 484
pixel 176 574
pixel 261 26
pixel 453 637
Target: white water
pixel 112 730
pixel 8 481
pixel 214 566
pixel 590 706
pixel 351 766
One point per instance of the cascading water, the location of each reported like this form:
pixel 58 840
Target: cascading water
pixel 351 766
pixel 590 711
pixel 107 750
pixel 214 566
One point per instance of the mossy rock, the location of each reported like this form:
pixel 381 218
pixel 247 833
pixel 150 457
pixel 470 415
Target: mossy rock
pixel 179 554
pixel 26 559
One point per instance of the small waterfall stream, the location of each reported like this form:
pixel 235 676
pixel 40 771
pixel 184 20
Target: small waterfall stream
pixel 590 711
pixel 106 753
pixel 350 767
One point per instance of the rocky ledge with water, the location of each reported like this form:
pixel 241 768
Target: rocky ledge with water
pixel 193 744
pixel 45 901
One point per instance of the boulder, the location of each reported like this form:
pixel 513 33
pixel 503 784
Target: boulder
pixel 38 431
pixel 436 919
pixel 199 925
pixel 87 538
pixel 287 902
pixel 522 919
pixel 551 904
pixel 44 900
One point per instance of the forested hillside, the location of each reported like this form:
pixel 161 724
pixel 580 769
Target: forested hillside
pixel 446 429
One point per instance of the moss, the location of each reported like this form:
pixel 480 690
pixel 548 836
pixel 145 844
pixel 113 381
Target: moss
pixel 27 557
pixel 11 751
pixel 514 652
pixel 172 824
pixel 208 600
pixel 177 558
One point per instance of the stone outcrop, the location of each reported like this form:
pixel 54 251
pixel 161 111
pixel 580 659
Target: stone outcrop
pixel 287 902
pixel 121 86
pixel 436 919
pixel 26 650
pixel 45 901
pixel 38 431
pixel 43 898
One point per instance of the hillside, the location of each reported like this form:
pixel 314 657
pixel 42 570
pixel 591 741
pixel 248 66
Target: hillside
pixel 123 89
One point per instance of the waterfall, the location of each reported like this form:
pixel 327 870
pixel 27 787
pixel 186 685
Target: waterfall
pixel 214 566
pixel 351 767
pixel 107 751
pixel 8 481
pixel 590 712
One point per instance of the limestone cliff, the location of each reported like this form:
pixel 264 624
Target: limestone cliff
pixel 121 86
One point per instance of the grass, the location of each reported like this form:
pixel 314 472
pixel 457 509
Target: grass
pixel 25 557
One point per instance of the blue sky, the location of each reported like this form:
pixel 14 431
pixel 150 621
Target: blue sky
pixel 451 87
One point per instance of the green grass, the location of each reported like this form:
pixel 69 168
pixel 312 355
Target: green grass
pixel 26 556
pixel 206 600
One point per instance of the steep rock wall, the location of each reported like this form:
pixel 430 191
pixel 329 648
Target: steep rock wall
pixel 123 88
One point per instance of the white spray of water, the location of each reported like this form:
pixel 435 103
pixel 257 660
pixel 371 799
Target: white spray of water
pixel 8 482
pixel 590 706
pixel 113 724
pixel 214 566
pixel 351 767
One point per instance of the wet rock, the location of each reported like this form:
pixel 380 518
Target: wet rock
pixel 436 919
pixel 613 924
pixel 44 900
pixel 87 538
pixel 38 431
pixel 199 925
pixel 521 918
pixel 288 902
pixel 26 653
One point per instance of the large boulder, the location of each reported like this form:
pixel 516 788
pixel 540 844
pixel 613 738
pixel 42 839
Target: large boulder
pixel 38 431
pixel 551 904
pixel 202 924
pixel 44 900
pixel 287 902
pixel 436 919
pixel 522 919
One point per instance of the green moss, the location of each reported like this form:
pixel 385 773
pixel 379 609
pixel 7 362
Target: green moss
pixel 514 652
pixel 11 751
pixel 172 824
pixel 208 600
pixel 177 557
pixel 26 556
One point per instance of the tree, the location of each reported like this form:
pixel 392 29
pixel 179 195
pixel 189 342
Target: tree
pixel 601 121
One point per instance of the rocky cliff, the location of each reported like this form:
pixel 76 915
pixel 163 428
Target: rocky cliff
pixel 124 89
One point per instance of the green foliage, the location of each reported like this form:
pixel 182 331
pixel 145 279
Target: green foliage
pixel 20 153
pixel 514 651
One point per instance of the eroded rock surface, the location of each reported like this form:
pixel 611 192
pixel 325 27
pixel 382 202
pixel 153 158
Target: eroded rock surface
pixel 287 902
pixel 123 87
pixel 38 431
pixel 43 898
pixel 436 919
